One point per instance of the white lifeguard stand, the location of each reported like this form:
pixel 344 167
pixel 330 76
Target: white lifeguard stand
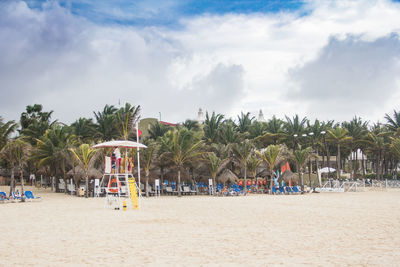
pixel 118 181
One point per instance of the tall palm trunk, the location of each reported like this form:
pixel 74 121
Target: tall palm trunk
pixel 12 182
pixel 328 160
pixel 300 176
pixel 22 180
pixel 302 181
pixel 73 176
pixel 338 162
pixel 178 185
pixel 147 184
pixel 363 164
pixel 309 172
pixel 272 180
pixel 316 167
pixel 215 185
pixel 245 179
pixel 64 178
pixel 87 185
pixel 161 178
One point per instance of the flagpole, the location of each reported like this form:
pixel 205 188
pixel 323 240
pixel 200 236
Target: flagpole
pixel 138 158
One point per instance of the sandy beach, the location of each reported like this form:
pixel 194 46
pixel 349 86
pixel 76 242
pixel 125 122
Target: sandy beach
pixel 327 229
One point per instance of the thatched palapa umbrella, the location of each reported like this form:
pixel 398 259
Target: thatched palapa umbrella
pixel 173 174
pixel 79 173
pixel 287 176
pixel 227 176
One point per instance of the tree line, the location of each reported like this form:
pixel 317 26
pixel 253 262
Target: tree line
pixel 243 145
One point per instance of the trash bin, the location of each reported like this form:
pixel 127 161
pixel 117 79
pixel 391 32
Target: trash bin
pixel 81 192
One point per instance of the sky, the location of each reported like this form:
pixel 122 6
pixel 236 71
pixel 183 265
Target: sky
pixel 330 60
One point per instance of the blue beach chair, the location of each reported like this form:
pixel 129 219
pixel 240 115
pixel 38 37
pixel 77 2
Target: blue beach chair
pixel 3 197
pixel 29 195
pixel 274 190
pixel 15 197
pixel 296 190
pixel 289 190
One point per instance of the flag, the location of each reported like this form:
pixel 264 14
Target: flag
pixel 287 166
pixel 283 168
pixel 140 132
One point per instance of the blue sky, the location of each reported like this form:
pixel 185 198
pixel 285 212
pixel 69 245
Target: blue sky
pixel 315 58
pixel 166 12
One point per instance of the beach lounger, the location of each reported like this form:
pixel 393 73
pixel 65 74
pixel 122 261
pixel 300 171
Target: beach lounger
pixel 14 197
pixel 169 191
pixel 274 191
pixel 282 190
pixel 151 191
pixel 186 190
pixel 289 190
pixel 29 195
pixel 3 197
pixel 296 190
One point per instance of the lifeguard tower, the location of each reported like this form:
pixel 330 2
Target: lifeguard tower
pixel 118 182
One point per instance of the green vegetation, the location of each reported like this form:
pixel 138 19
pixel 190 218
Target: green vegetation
pixel 39 144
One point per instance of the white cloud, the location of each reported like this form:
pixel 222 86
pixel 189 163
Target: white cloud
pixel 226 63
pixel 350 77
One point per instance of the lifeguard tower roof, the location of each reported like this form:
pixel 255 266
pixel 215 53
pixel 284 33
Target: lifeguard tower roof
pixel 120 143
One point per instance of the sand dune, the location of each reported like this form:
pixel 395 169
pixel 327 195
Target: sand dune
pixel 327 229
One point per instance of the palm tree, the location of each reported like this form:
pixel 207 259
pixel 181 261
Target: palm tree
pixel 257 129
pixel 157 130
pixel 301 157
pixel 15 152
pixel 242 153
pixel 52 149
pixel 227 133
pixel 293 127
pixel 211 126
pixel 338 136
pixel 215 165
pixel 181 146
pixel 6 129
pixel 106 123
pixel 127 117
pixel 244 122
pixel 147 156
pixel 84 130
pixel 274 132
pixel 272 156
pixel 84 154
pixel 393 123
pixel 395 147
pixel 252 164
pixel 356 130
pixel 22 156
pixel 192 125
pixel 35 122
pixel 34 114
pixel 317 132
pixel 376 146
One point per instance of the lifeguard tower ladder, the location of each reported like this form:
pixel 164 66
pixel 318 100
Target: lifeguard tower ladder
pixel 118 182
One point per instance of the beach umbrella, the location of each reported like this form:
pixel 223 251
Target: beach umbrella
pixel 93 173
pixel 120 143
pixel 172 175
pixel 289 175
pixel 227 176
pixel 264 173
pixel 326 170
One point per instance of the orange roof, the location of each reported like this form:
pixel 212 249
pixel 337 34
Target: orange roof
pixel 167 123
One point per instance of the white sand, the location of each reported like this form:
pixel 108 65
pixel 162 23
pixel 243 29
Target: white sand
pixel 327 229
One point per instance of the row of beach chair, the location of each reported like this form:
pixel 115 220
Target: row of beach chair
pixel 286 190
pixel 185 190
pixel 27 196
